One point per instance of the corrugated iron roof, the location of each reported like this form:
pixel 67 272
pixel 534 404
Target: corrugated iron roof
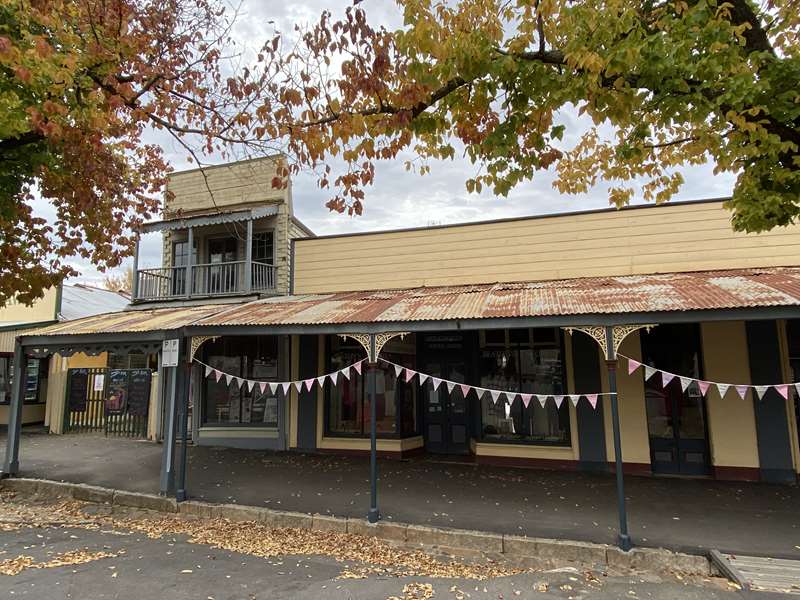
pixel 133 321
pixel 706 290
pixel 668 292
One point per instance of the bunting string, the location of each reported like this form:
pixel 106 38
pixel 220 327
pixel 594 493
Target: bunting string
pixel 509 397
pixel 665 378
pixel 334 377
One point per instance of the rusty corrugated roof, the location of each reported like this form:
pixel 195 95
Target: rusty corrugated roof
pixel 132 321
pixel 705 290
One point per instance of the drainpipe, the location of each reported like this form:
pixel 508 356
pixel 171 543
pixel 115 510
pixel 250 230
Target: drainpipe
pixel 623 539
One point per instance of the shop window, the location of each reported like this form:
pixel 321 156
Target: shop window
pixel 529 361
pixel 250 358
pixel 262 248
pixel 347 405
pixel 5 379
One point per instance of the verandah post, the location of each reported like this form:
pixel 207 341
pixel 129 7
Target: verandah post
pixel 623 539
pixel 11 465
pixel 374 514
pixel 167 479
pixel 183 426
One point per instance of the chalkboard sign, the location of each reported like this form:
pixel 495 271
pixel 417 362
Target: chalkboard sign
pixel 78 390
pixel 139 392
pixel 116 392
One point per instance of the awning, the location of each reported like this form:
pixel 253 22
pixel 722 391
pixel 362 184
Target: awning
pixel 699 291
pixel 215 218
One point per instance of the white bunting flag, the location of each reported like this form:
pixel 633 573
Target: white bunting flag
pixel 286 385
pixel 228 378
pixel 495 395
pixel 574 399
pixel 666 378
pixel 209 370
pixel 410 375
pixel 218 375
pixel 559 401
pixel 398 370
pixel 298 385
pixel 345 372
pixel 321 381
pixel 783 390
pixel 722 388
pixel 633 365
pixel 436 383
pixel 480 392
pixel 797 388
pixel 423 378
pixel 685 383
pixel 334 377
pixel 450 385
pixel 273 387
pixel 592 398
pixel 542 399
pixel 250 384
pixel 649 372
pixel 761 390
pixel 526 399
pixel 741 390
pixel 507 408
pixel 357 366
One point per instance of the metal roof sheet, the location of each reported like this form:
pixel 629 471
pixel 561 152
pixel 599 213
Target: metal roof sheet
pixel 705 290
pixel 132 321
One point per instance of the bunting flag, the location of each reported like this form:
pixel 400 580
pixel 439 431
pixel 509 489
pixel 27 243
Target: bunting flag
pixel 250 384
pixel 410 375
pixel 592 399
pixel 208 370
pixel 436 383
pixel 542 399
pixel 526 399
pixel 559 401
pixel 450 386
pixel 574 399
pixel 357 366
pixel 218 375
pixel 423 378
pixel 464 389
pixel 760 391
pixel 398 370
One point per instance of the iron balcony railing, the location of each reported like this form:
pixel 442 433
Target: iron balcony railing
pixel 209 279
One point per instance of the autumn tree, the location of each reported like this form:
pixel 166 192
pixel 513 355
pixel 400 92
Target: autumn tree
pixel 81 81
pixel 665 84
pixel 121 281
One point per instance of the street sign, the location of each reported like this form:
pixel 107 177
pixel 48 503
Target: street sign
pixel 169 353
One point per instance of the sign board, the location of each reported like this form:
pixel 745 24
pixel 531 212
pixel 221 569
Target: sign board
pixel 139 392
pixel 169 353
pixel 117 392
pixel 78 390
pixel 99 382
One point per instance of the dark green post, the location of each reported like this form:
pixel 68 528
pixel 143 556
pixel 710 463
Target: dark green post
pixel 372 393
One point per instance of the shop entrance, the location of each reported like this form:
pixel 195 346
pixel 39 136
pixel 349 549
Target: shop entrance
pixel 676 419
pixel 446 415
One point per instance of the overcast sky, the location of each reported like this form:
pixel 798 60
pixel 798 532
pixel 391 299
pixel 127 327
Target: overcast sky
pixel 399 198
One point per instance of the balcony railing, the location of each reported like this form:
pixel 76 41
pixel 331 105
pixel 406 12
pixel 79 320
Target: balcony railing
pixel 209 279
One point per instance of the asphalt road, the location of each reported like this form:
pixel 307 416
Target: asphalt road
pixel 174 569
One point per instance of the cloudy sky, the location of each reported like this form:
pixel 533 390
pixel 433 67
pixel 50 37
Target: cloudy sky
pixel 399 198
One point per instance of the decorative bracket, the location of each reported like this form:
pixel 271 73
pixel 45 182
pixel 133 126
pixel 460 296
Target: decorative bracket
pixel 198 341
pixel 609 338
pixel 373 343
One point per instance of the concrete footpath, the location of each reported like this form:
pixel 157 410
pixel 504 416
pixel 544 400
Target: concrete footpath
pixel 680 514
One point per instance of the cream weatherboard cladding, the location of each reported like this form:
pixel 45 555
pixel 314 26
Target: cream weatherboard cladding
pixel 677 237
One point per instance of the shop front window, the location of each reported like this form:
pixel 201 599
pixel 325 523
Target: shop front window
pixel 527 361
pixel 5 379
pixel 253 358
pixel 347 405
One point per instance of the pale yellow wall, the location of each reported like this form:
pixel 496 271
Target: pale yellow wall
pixel 667 238
pixel 43 309
pixel 154 407
pixel 31 413
pixel 634 435
pixel 235 185
pixel 731 420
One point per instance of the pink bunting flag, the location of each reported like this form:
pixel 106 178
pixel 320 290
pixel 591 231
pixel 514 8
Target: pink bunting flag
pixel 703 385
pixel 741 390
pixel 262 385
pixel 423 378
pixel 559 400
pixel 357 366
pixel 218 375
pixel 209 370
pixel 592 398
pixel 526 399
pixel 633 365
pixel 783 390
pixel 286 385
pixel 464 389
pixel 309 383
pixel 410 375
pixel 666 378
pixel 436 383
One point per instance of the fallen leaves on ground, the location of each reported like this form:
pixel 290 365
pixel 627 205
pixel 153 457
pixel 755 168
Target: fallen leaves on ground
pixel 415 591
pixel 14 566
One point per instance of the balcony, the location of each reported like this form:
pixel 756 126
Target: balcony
pixel 207 280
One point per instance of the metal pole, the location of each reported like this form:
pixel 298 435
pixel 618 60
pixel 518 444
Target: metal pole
pixel 11 466
pixel 374 515
pixel 167 480
pixel 183 424
pixel 623 539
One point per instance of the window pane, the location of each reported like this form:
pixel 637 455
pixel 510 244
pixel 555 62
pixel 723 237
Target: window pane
pixel 345 405
pixel 32 380
pixel 5 379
